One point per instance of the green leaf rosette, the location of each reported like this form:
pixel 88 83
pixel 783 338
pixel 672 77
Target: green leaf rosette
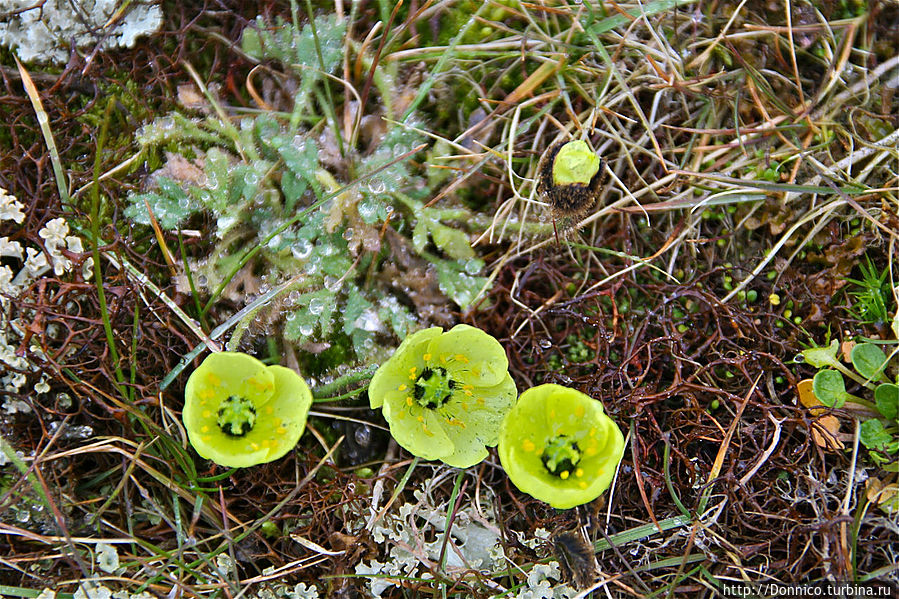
pixel 558 446
pixel 444 394
pixel 238 412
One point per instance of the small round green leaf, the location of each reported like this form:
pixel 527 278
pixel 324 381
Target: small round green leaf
pixel 829 388
pixel 886 398
pixel 869 361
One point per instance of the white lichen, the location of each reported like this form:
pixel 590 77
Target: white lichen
pixel 12 249
pixel 13 406
pixel 107 558
pixel 474 541
pixel 89 589
pixel 10 207
pixel 44 31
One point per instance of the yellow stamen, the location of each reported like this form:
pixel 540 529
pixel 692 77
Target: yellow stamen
pixel 582 485
pixel 468 393
pixel 412 370
pixel 464 406
pixel 528 445
pixel 427 357
pixel 213 379
pixel 409 400
pixel 206 438
pixel 206 394
pixel 254 445
pixel 480 401
pixel 462 358
pixel 269 410
pixel 207 414
pixel 204 429
pixel 564 475
pixel 402 387
pixel 579 411
pixel 281 430
pixel 579 472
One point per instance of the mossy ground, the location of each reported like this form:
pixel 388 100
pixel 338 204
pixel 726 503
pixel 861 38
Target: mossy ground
pixel 752 169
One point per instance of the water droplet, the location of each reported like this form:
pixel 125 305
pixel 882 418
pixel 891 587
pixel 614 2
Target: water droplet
pixel 302 249
pixel 368 321
pixel 363 436
pixel 316 305
pixel 368 210
pixel 472 267
pixel 377 186
pixel 348 234
pixel 546 343
pixel 306 330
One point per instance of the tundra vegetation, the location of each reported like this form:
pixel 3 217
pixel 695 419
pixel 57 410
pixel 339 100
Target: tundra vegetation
pixel 675 218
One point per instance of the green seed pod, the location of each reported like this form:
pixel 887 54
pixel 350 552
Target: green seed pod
pixel 569 178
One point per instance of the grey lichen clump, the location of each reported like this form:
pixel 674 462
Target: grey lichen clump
pixel 44 31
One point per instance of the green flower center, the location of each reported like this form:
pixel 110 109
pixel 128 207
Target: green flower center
pixel 560 456
pixel 236 416
pixel 433 387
